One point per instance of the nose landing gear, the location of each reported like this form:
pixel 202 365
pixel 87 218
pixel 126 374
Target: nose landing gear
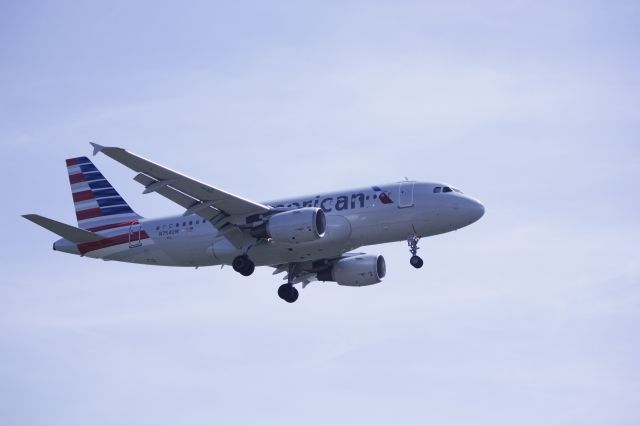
pixel 415 261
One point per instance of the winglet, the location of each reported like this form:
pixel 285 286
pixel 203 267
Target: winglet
pixel 96 148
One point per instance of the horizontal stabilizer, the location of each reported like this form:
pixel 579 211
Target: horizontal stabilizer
pixel 68 232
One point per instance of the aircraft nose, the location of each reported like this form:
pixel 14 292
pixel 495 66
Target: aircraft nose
pixel 474 210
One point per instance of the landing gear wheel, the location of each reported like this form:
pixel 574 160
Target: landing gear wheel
pixel 416 262
pixel 288 293
pixel 243 265
pixel 249 269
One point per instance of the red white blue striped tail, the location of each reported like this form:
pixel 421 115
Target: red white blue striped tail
pixel 98 205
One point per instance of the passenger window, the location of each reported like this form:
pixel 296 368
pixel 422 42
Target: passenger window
pixel 437 189
pixel 446 189
pixel 184 223
pixel 177 224
pixel 197 222
pixel 190 222
pixel 157 228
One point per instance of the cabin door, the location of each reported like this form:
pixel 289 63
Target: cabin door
pixel 405 194
pixel 135 232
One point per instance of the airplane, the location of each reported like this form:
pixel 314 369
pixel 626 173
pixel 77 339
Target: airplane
pixel 310 238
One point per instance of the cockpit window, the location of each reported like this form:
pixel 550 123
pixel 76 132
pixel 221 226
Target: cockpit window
pixel 439 189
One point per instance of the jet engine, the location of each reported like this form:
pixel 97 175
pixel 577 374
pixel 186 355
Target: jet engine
pixel 293 226
pixel 356 271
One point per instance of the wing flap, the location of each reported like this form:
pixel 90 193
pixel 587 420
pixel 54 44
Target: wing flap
pixel 189 203
pixel 173 194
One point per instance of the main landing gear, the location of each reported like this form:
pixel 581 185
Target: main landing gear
pixel 288 292
pixel 415 261
pixel 243 265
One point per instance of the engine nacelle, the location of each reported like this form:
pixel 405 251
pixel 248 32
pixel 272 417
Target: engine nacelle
pixel 293 226
pixel 356 271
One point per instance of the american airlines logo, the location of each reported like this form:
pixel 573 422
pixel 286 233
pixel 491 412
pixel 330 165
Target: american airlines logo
pixel 384 195
pixel 342 202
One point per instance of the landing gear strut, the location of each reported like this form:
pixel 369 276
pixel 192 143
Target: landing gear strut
pixel 243 265
pixel 415 261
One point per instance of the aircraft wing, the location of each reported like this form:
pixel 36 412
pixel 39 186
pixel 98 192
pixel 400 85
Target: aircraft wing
pixel 196 197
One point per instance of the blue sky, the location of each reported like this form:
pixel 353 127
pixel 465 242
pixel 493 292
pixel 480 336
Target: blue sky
pixel 528 317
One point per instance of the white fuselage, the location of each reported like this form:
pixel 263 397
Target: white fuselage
pixel 355 218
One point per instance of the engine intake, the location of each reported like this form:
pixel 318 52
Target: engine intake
pixel 293 226
pixel 356 271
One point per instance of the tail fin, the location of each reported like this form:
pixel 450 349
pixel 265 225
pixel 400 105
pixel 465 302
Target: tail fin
pixel 98 205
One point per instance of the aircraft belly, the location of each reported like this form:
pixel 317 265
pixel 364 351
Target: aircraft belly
pixel 188 250
pixel 160 251
pixel 145 253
